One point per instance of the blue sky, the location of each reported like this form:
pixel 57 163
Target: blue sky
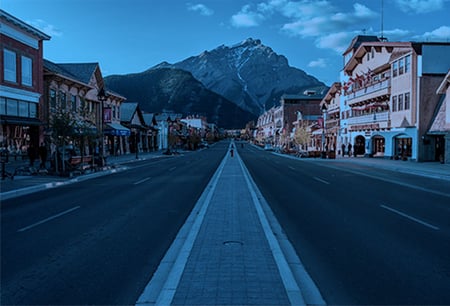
pixel 129 36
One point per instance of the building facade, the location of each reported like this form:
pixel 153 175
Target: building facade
pixel 21 84
pixel 391 94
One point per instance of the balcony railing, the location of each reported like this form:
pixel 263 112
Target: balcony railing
pixel 371 91
pixel 381 119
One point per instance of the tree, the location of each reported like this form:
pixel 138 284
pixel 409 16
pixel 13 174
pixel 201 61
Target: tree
pixel 302 135
pixel 63 125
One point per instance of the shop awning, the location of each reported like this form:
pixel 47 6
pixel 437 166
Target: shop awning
pixel 19 120
pixel 116 129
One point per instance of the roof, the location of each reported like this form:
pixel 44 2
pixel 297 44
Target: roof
pixel 57 69
pixel 149 118
pixel 83 71
pixel 127 111
pixel 24 26
pixel 359 39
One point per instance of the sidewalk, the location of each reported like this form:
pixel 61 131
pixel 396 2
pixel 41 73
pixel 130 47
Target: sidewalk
pixel 25 184
pixel 427 169
pixel 227 253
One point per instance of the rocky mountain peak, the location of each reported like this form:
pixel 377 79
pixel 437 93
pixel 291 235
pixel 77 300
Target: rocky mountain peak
pixel 248 73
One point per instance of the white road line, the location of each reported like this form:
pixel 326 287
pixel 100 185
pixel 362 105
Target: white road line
pixel 162 287
pixel 292 168
pixel 48 219
pixel 410 217
pixel 171 169
pixel 142 181
pixel 320 180
pixel 290 284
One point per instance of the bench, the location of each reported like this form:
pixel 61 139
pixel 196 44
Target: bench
pixel 80 163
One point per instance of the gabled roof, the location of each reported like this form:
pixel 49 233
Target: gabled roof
pixel 149 119
pixel 127 111
pixel 359 39
pixel 57 69
pixel 24 26
pixel 83 71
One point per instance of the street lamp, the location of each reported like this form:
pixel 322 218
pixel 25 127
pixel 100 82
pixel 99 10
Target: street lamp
pixel 324 112
pixel 102 97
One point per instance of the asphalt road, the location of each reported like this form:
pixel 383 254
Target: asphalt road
pixel 365 235
pixel 99 241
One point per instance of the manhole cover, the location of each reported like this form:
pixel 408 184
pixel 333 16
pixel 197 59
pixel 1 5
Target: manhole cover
pixel 233 242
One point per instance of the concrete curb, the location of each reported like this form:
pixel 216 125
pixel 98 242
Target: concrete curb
pixel 32 189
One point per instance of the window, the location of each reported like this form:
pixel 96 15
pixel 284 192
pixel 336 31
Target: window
pixel 368 56
pixel 11 107
pixel 400 66
pixel 33 110
pixel 407 101
pixel 73 103
pixel 27 71
pixel 23 109
pixel 62 100
pixel 9 66
pixel 373 52
pixel 400 102
pixel 394 103
pixel 407 63
pixel 52 97
pixel 394 69
pixel 2 106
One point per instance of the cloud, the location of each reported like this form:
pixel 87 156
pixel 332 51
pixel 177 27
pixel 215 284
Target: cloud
pixel 247 18
pixel 45 27
pixel 420 6
pixel 440 34
pixel 335 41
pixel 200 8
pixel 320 22
pixel 318 63
pixel 317 19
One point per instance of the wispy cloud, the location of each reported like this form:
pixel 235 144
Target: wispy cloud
pixel 45 27
pixel 420 6
pixel 200 8
pixel 439 34
pixel 247 17
pixel 319 20
pixel 318 63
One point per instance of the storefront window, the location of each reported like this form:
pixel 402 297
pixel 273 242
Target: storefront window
pixel 33 110
pixel 23 109
pixel 11 107
pixel 2 106
pixel 404 147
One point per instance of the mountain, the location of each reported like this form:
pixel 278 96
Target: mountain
pixel 177 90
pixel 249 74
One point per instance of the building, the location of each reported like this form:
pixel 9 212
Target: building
pixel 132 117
pixel 440 128
pixel 330 107
pixel 21 84
pixel 391 93
pixel 77 89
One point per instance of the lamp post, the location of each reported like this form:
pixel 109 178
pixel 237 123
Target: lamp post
pixel 102 97
pixel 324 112
pixel 136 143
